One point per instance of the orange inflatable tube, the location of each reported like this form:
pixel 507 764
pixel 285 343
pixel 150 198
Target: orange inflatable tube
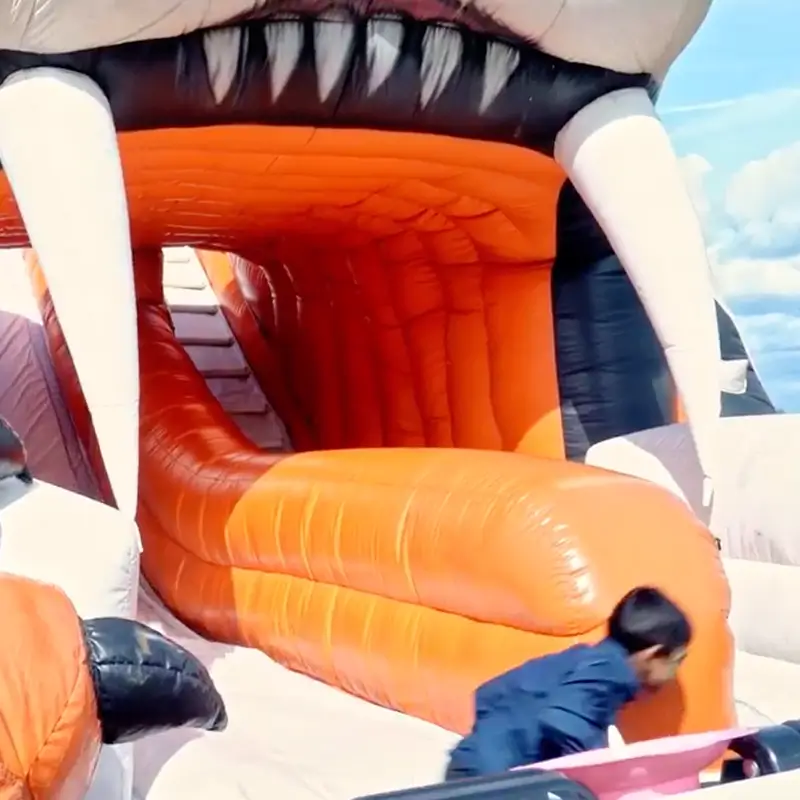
pixel 50 736
pixel 403 576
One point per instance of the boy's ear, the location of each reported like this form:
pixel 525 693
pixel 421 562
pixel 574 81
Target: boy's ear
pixel 145 683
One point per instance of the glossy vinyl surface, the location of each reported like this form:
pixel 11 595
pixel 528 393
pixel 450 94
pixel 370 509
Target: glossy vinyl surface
pixel 359 567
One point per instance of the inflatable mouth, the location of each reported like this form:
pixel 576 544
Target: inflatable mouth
pixel 384 72
pixel 327 93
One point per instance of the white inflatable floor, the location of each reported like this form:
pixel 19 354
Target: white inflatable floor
pixel 756 513
pixel 289 737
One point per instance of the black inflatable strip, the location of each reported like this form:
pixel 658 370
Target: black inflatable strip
pixel 522 785
pixel 388 73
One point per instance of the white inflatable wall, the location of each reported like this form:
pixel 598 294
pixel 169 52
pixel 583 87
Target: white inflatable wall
pixel 756 504
pixel 756 517
pixel 91 552
pixel 47 531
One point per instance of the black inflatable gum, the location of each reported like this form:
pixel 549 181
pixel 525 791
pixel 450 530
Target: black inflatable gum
pixel 144 683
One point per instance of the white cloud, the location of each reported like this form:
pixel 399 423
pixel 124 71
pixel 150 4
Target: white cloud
pixel 762 202
pixel 746 277
pixel 763 187
pixel 772 338
pixel 735 130
pixel 755 240
pixel 771 332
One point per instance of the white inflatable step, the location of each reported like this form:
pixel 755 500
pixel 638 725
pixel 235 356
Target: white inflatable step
pixel 201 329
pixel 200 326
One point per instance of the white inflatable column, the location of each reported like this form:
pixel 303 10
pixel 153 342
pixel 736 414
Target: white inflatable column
pixel 619 157
pixel 59 150
pixel 58 147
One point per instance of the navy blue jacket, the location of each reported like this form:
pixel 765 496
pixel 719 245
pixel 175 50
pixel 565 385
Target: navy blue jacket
pixel 552 706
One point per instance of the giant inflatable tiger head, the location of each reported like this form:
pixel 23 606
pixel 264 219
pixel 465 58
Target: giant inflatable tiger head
pixel 484 185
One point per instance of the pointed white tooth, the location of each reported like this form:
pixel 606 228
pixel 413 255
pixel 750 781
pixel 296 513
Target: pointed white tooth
pixel 284 46
pixel 617 154
pixel 501 61
pixel 222 48
pixel 59 150
pixel 384 44
pixel 442 49
pixel 333 44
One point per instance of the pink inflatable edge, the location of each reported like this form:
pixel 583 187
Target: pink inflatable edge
pixel 650 769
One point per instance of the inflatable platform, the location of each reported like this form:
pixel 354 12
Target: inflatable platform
pixel 415 272
pixel 89 550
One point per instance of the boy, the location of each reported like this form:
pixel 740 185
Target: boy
pixel 564 703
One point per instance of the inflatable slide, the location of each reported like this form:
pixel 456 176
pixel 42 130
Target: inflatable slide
pixel 423 274
pixel 294 735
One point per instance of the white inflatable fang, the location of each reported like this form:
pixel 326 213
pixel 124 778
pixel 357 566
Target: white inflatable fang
pixel 618 155
pixel 59 150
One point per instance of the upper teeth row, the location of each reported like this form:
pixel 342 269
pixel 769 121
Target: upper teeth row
pixel 334 42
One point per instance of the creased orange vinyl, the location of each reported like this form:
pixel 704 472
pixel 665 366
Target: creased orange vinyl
pixel 383 346
pixel 50 735
pixel 443 245
pixel 451 242
pixel 404 576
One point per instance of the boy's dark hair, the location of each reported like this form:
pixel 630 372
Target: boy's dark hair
pixel 647 618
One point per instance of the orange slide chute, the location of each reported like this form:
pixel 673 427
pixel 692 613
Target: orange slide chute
pixel 404 576
pixel 365 372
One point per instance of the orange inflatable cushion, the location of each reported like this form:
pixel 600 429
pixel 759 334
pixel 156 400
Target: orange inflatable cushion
pixel 50 736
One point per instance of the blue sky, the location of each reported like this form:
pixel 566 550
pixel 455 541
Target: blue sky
pixel 732 106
